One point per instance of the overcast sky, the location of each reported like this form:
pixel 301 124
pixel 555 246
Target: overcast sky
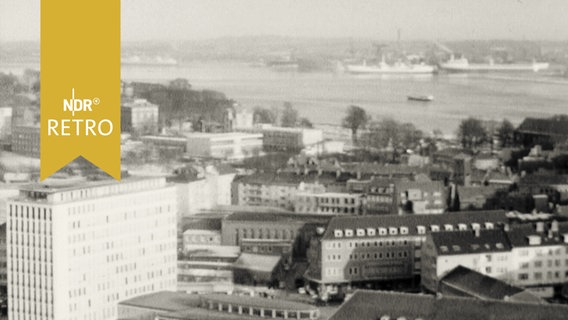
pixel 417 19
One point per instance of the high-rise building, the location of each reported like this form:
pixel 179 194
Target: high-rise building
pixel 78 247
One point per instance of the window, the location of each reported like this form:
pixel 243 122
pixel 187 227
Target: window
pixel 524 265
pixel 538 264
pixel 360 232
pixel 420 229
pixel 462 227
pixel 523 276
pixel 403 230
pixel 348 232
pixel 434 228
pixel 393 231
pixel 448 227
pixel 338 233
pixel 538 275
pixel 487 270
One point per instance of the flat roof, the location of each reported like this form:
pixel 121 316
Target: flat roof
pixel 260 302
pixel 164 301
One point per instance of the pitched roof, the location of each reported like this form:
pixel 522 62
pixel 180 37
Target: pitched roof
pixel 555 126
pixel 478 285
pixel 277 216
pixel 465 242
pixel 412 221
pixel 372 305
pixel 519 234
pixel 257 262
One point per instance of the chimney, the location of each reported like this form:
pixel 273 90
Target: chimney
pixel 337 173
pixel 306 170
pixel 540 226
pixel 507 227
pixel 358 174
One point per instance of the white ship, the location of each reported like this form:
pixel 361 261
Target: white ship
pixel 384 68
pixel 463 65
pixel 156 61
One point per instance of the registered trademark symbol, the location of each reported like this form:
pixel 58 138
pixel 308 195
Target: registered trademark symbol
pixel 96 101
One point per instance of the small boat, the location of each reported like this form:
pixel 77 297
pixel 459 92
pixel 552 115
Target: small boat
pixel 421 98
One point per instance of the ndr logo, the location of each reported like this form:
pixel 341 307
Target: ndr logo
pixel 78 105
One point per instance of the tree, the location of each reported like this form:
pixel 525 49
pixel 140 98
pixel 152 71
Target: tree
pixel 390 132
pixel 289 116
pixel 471 133
pixel 505 133
pixel 262 115
pixel 355 119
pixel 306 123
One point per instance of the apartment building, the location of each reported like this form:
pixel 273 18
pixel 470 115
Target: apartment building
pixel 77 247
pixel 485 251
pixel 289 139
pixel 139 116
pixel 25 140
pixel 368 249
pixel 329 203
pixel 421 197
pixel 533 256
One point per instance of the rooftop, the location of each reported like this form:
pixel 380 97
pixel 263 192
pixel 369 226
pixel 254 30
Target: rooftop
pixel 478 284
pixel 466 242
pixel 555 126
pixel 412 221
pixel 277 216
pixel 164 301
pixel 257 262
pixel 372 305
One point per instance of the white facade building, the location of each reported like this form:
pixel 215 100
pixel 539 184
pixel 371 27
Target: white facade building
pixel 226 146
pixel 77 248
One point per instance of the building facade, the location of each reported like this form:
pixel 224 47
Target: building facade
pixel 367 249
pixel 139 116
pixel 533 256
pixel 226 146
pixel 77 248
pixel 25 140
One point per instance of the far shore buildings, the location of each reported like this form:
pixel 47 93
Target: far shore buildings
pixel 77 247
pixel 139 116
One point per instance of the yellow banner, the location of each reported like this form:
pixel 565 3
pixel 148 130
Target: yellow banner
pixel 80 84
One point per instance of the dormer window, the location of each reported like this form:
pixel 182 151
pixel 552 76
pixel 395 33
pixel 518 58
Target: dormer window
pixel 348 232
pixel 393 231
pixel 420 229
pixel 475 226
pixel 489 225
pixel 338 233
pixel 448 227
pixel 462 226
pixel 444 248
pixel 534 240
pixel 383 231
pixel 403 230
pixel 371 232
pixel 360 232
pixel 434 228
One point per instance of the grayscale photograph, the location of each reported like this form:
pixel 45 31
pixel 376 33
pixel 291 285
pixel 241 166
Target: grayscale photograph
pixel 300 159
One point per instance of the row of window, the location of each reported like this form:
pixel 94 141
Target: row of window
pixel 361 232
